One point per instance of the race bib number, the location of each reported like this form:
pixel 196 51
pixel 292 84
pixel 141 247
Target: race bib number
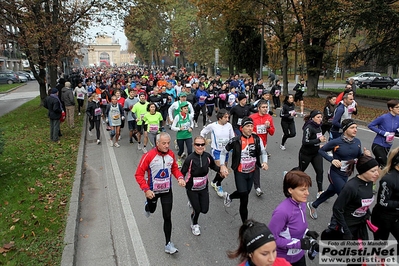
pixel 154 128
pixel 277 93
pixel 199 183
pixel 185 126
pixel 248 164
pixel 161 185
pixel 103 101
pixel 260 91
pixel 97 111
pixel 202 99
pixel 390 138
pixel 80 95
pixel 239 121
pixel 221 143
pixel 350 109
pixel 261 129
pixel 344 166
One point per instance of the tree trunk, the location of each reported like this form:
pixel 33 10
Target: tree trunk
pixel 284 51
pixel 42 84
pixel 314 50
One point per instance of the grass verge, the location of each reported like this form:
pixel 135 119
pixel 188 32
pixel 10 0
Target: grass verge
pixel 36 177
pixel 371 93
pixel 7 87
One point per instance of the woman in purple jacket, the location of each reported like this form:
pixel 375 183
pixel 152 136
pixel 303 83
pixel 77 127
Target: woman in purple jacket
pixel 289 225
pixel 385 126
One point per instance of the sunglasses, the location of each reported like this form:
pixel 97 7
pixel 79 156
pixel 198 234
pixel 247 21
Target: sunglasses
pixel 199 144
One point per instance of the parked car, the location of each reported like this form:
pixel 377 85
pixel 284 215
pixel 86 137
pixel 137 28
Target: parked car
pixel 22 78
pixel 26 74
pixel 360 77
pixel 378 82
pixel 396 81
pixel 9 77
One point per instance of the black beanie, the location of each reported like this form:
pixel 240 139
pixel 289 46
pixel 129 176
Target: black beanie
pixel 256 235
pixel 246 120
pixel 365 163
pixel 345 124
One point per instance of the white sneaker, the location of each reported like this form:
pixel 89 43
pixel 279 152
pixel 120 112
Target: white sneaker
pixel 119 138
pixel 319 194
pixel 195 124
pixel 139 146
pixel 282 147
pixel 98 142
pixel 195 229
pixel 210 121
pixel 90 133
pixel 220 191
pixel 189 205
pixel 259 192
pixel 183 155
pixel 117 145
pixel 144 150
pixel 170 248
pixel 176 146
pixel 111 143
pixel 227 200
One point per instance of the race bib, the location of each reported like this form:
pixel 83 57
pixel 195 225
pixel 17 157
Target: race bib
pixel 261 129
pixel 318 135
pixel 350 109
pixel 202 99
pixel 199 183
pixel 390 138
pixel 221 143
pixel 239 121
pixel 116 116
pixel 344 166
pixel 154 128
pixel 103 101
pixel 80 95
pixel 185 126
pixel 97 111
pixel 260 91
pixel 161 185
pixel 292 113
pixel 277 93
pixel 248 164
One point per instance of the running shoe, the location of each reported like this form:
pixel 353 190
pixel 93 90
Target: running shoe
pixel 111 143
pixel 282 147
pixel 259 192
pixel 90 133
pixel 312 210
pixel 98 142
pixel 210 121
pixel 220 191
pixel 195 229
pixel 139 146
pixel 179 163
pixel 319 194
pixel 189 205
pixel 227 200
pixel 183 155
pixel 312 251
pixel 144 149
pixel 284 173
pixel 146 212
pixel 215 187
pixel 176 146
pixel 119 138
pixel 170 248
pixel 195 124
pixel 117 145
pixel 131 141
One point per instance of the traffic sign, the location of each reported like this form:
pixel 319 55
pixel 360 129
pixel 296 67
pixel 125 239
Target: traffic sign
pixel 177 53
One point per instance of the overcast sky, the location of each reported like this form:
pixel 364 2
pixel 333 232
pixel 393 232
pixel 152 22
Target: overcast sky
pixel 108 30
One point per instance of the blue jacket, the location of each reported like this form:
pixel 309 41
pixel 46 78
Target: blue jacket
pixel 201 96
pixel 383 124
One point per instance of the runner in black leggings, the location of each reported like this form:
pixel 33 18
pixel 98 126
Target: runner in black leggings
pixel 287 115
pixel 195 169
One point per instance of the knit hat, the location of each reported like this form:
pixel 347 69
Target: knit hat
pixel 256 235
pixel 365 163
pixel 242 96
pixel 246 121
pixel 183 94
pixel 183 104
pixel 54 90
pixel 345 124
pixel 68 84
pixel 314 113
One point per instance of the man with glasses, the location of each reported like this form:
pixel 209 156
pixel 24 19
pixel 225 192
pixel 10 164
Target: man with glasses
pixel 221 132
pixel 263 125
pixel 248 153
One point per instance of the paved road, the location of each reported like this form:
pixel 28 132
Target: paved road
pixel 112 229
pixel 19 96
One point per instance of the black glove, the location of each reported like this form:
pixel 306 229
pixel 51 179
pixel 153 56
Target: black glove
pixel 312 234
pixel 305 243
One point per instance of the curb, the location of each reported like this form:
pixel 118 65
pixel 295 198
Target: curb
pixel 13 89
pixel 71 229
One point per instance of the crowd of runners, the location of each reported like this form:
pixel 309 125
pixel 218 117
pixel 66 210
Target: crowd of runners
pixel 153 105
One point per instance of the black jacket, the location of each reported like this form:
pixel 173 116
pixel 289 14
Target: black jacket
pixel 53 104
pixel 235 145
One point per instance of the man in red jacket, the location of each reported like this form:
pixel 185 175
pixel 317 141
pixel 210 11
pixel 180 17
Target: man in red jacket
pixel 263 125
pixel 160 164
